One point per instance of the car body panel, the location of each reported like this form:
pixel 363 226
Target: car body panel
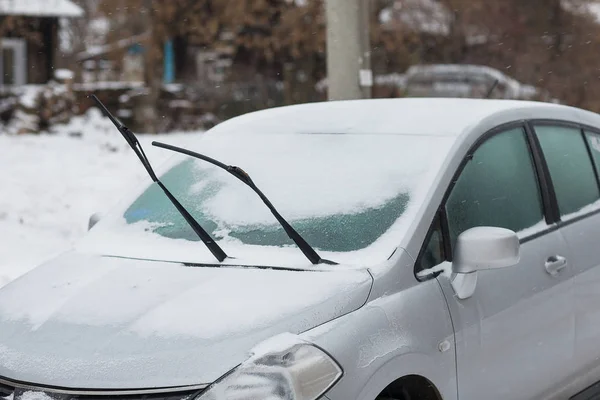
pixel 404 332
pixel 103 323
pixel 582 239
pixel 413 241
pixel 515 337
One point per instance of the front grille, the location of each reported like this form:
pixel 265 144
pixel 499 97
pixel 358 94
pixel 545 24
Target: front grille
pixel 6 390
pixel 23 394
pixel 22 391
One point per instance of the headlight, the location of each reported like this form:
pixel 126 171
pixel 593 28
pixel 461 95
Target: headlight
pixel 294 371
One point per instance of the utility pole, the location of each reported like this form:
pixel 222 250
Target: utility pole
pixel 349 74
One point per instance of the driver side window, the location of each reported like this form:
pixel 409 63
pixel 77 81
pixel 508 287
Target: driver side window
pixel 498 187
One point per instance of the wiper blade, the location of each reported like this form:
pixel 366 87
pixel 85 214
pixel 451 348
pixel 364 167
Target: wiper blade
pixel 239 173
pixel 214 248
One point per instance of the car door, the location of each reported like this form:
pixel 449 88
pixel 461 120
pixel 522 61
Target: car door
pixel 515 335
pixel 573 158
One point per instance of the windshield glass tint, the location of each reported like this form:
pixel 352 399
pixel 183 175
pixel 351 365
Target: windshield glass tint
pixel 341 192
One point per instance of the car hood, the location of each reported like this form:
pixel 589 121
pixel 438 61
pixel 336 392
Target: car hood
pixel 92 322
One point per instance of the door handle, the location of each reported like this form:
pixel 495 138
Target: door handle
pixel 555 264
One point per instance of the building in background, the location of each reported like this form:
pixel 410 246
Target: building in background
pixel 189 62
pixel 29 39
pixel 120 62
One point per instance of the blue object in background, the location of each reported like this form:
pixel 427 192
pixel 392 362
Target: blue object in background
pixel 136 49
pixel 169 60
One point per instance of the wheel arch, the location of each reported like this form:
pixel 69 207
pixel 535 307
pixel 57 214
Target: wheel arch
pixel 415 371
pixel 411 387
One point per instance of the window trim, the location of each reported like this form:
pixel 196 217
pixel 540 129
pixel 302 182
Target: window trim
pixel 595 165
pixel 546 187
pixel 548 198
pixel 546 195
pixel 582 130
pixel 551 211
pixel 19 65
pixel 438 217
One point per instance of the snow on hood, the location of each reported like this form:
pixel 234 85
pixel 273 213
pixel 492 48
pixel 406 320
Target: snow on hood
pixel 106 323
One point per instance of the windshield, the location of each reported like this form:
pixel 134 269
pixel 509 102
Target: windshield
pixel 341 192
pixel 334 231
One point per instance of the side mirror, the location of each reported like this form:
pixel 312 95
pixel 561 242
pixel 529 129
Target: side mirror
pixel 94 219
pixel 479 249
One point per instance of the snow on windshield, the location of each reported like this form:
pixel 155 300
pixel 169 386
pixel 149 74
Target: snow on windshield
pixel 342 192
pixel 314 175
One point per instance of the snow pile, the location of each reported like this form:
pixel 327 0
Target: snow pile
pixel 28 94
pixel 37 106
pixel 51 184
pixel 31 395
pixel 64 74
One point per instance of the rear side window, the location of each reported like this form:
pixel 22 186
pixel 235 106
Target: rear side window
pixel 498 187
pixel 570 166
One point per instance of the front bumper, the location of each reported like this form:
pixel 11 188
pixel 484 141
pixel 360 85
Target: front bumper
pixel 10 390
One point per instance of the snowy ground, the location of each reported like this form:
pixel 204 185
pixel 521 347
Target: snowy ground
pixel 51 184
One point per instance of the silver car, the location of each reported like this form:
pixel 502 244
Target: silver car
pixel 380 249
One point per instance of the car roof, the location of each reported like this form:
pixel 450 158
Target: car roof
pixel 408 116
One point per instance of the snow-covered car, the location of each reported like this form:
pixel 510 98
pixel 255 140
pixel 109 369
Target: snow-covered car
pixel 456 81
pixel 398 249
pixel 474 81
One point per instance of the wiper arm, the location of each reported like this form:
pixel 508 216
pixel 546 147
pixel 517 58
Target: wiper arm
pixel 214 248
pixel 239 173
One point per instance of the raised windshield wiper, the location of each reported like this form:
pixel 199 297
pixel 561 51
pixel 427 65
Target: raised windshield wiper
pixel 214 248
pixel 239 173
